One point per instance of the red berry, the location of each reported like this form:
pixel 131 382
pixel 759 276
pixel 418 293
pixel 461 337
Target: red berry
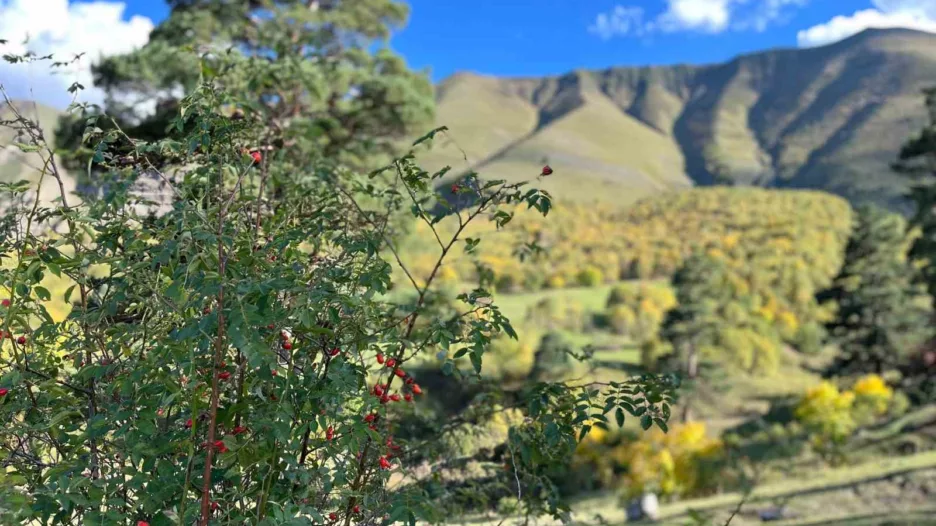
pixel 547 170
pixel 224 375
pixel 21 340
pixel 370 417
pixel 330 433
pixel 408 397
pixel 160 412
pixel 219 445
pixel 391 362
pixel 270 326
pixel 416 389
pixel 287 346
pixel 384 463
pixel 274 373
pixel 188 423
pixel 399 373
pixel 378 390
pixel 4 391
pixel 395 397
pixel 223 365
pixel 273 397
pixel 334 352
pixel 455 188
pixel 5 303
pixel 256 156
pixel 356 509
pixel 214 506
pixel 238 430
pixel 284 335
pixel 380 358
pixel 410 381
pixel 142 523
pixel 384 399
pixel 332 516
pixel 372 427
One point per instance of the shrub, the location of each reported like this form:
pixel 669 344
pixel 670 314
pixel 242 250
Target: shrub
pixel 234 366
pixel 652 350
pixel 621 319
pixel 590 277
pixel 832 416
pixel 810 338
pixel 510 359
pixel 552 358
pixel 682 462
pixel 556 281
pixel 486 434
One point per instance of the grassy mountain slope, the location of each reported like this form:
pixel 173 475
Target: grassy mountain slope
pixel 16 165
pixel 829 118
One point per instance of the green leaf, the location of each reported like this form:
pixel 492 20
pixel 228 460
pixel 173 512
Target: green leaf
pixel 476 361
pixel 26 148
pixel 430 135
pixel 43 293
pixel 584 432
pixel 646 422
pixel 619 416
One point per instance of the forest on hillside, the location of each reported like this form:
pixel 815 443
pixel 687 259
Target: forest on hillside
pixel 256 304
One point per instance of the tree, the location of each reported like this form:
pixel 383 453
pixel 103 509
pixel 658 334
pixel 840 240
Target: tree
pixel 702 290
pixel 917 161
pixel 307 74
pixel 883 313
pixel 241 361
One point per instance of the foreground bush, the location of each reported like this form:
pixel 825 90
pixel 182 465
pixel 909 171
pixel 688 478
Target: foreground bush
pixel 241 362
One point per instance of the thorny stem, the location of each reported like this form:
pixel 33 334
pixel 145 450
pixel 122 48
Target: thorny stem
pixel 356 484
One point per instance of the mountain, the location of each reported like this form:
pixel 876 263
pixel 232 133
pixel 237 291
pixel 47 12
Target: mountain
pixel 830 118
pixel 16 165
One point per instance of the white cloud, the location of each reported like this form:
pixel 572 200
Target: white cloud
pixel 64 29
pixel 619 21
pixel 704 16
pixel 710 16
pixel 769 12
pixel 911 14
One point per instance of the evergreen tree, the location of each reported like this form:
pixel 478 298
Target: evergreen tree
pixel 882 309
pixel 701 291
pixel 307 72
pixel 917 160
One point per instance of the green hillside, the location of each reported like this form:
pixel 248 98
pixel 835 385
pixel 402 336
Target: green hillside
pixel 15 164
pixel 829 118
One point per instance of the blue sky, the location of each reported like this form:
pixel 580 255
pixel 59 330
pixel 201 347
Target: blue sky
pixel 499 37
pixel 538 37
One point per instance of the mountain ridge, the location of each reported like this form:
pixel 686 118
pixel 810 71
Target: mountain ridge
pixel 830 118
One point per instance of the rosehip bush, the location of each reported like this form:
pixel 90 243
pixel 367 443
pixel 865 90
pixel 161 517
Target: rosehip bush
pixel 244 360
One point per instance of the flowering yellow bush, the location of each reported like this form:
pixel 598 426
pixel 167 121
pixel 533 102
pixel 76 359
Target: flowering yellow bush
pixel 832 415
pixel 872 392
pixel 673 463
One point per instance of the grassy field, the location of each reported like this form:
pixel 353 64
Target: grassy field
pixel 849 495
pixel 815 495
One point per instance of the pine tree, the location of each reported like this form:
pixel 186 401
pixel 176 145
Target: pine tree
pixel 883 311
pixel 307 65
pixel 701 292
pixel 917 161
